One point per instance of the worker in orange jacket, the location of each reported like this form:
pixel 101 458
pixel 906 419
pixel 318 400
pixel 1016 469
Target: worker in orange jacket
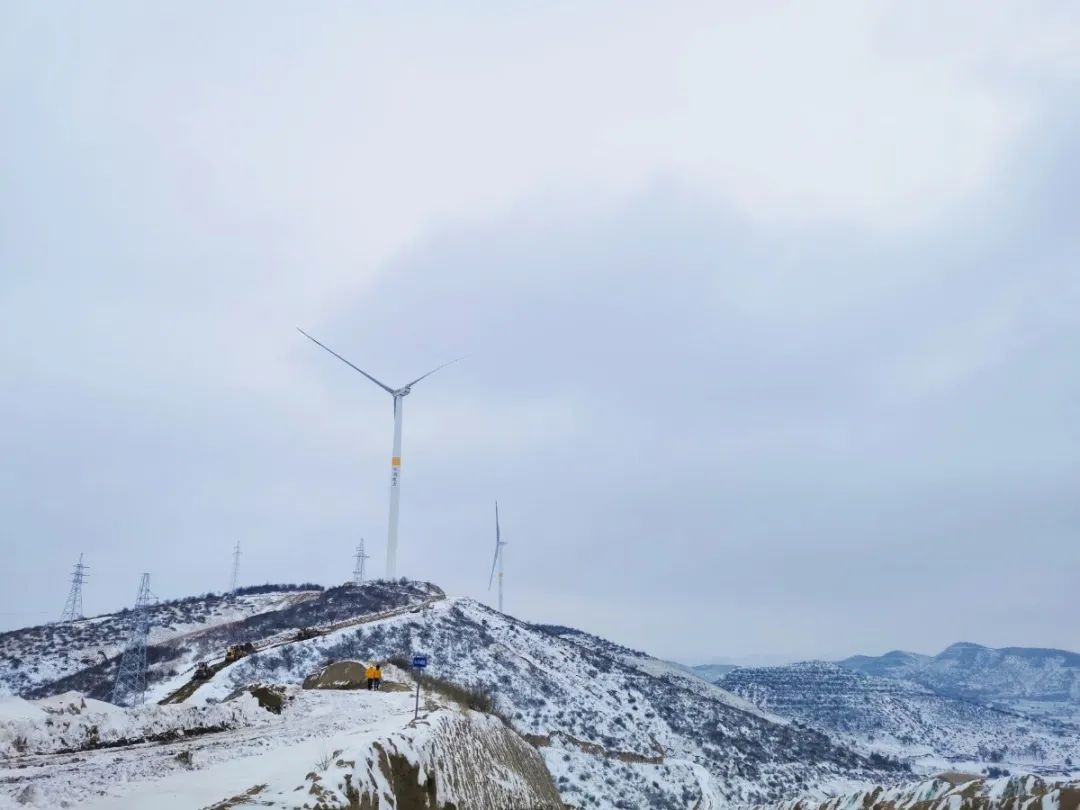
pixel 371 676
pixel 378 677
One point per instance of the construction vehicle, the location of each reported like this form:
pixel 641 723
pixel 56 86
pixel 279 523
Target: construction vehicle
pixel 306 632
pixel 238 651
pixel 202 672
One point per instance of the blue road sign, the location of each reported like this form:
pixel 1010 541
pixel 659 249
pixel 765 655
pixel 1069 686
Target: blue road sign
pixel 419 661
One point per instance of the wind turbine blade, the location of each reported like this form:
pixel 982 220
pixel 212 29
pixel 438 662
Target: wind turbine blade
pixel 494 562
pixel 495 559
pixel 418 379
pixel 384 387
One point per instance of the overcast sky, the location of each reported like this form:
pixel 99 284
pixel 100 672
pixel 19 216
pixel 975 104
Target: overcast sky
pixel 771 318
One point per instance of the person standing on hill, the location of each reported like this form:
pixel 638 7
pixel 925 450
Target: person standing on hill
pixel 370 674
pixel 378 677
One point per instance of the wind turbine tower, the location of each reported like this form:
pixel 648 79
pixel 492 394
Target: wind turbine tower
pixel 398 394
pixel 497 562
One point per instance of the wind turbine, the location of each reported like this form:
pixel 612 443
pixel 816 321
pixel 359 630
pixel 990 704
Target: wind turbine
pixel 498 561
pixel 395 461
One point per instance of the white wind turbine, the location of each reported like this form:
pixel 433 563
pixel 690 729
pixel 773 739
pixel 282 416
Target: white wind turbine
pixel 395 461
pixel 498 561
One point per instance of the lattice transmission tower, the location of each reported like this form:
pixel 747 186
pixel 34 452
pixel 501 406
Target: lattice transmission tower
pixel 73 609
pixel 358 570
pixel 130 688
pixel 235 568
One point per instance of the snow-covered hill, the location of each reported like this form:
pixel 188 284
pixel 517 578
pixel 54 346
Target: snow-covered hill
pixel 712 672
pixel 327 749
pixel 1007 676
pixel 615 727
pixel 34 658
pixel 904 719
pixel 84 656
pixel 954 791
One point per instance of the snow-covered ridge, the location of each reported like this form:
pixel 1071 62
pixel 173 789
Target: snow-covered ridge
pixel 450 757
pixel 42 664
pixel 952 792
pixel 616 728
pixel 903 719
pixel 35 657
pixel 981 673
pixel 677 675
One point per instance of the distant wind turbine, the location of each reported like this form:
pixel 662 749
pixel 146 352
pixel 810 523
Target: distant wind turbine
pixel 498 561
pixel 395 461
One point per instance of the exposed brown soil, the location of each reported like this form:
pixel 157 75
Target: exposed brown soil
pixel 271 697
pixel 339 675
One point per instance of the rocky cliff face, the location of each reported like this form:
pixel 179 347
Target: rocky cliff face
pixel 449 760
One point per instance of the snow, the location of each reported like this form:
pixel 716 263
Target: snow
pixel 14 709
pixel 615 727
pixel 331 734
pixel 39 655
pixel 70 723
pixel 908 721
pixel 1028 793
pixel 598 712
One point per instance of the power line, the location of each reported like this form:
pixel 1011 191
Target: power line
pixel 73 607
pixel 130 688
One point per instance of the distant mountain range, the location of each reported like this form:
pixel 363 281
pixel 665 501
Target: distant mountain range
pixel 905 719
pixel 1009 676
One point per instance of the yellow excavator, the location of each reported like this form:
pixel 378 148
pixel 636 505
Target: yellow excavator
pixel 238 651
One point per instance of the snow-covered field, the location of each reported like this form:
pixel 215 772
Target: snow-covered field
pixel 70 722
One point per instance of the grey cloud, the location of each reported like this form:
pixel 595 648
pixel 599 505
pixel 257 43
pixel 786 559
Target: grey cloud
pixel 710 436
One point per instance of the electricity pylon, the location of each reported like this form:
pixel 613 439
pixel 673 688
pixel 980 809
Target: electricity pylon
pixel 73 609
pixel 130 688
pixel 358 571
pixel 235 567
